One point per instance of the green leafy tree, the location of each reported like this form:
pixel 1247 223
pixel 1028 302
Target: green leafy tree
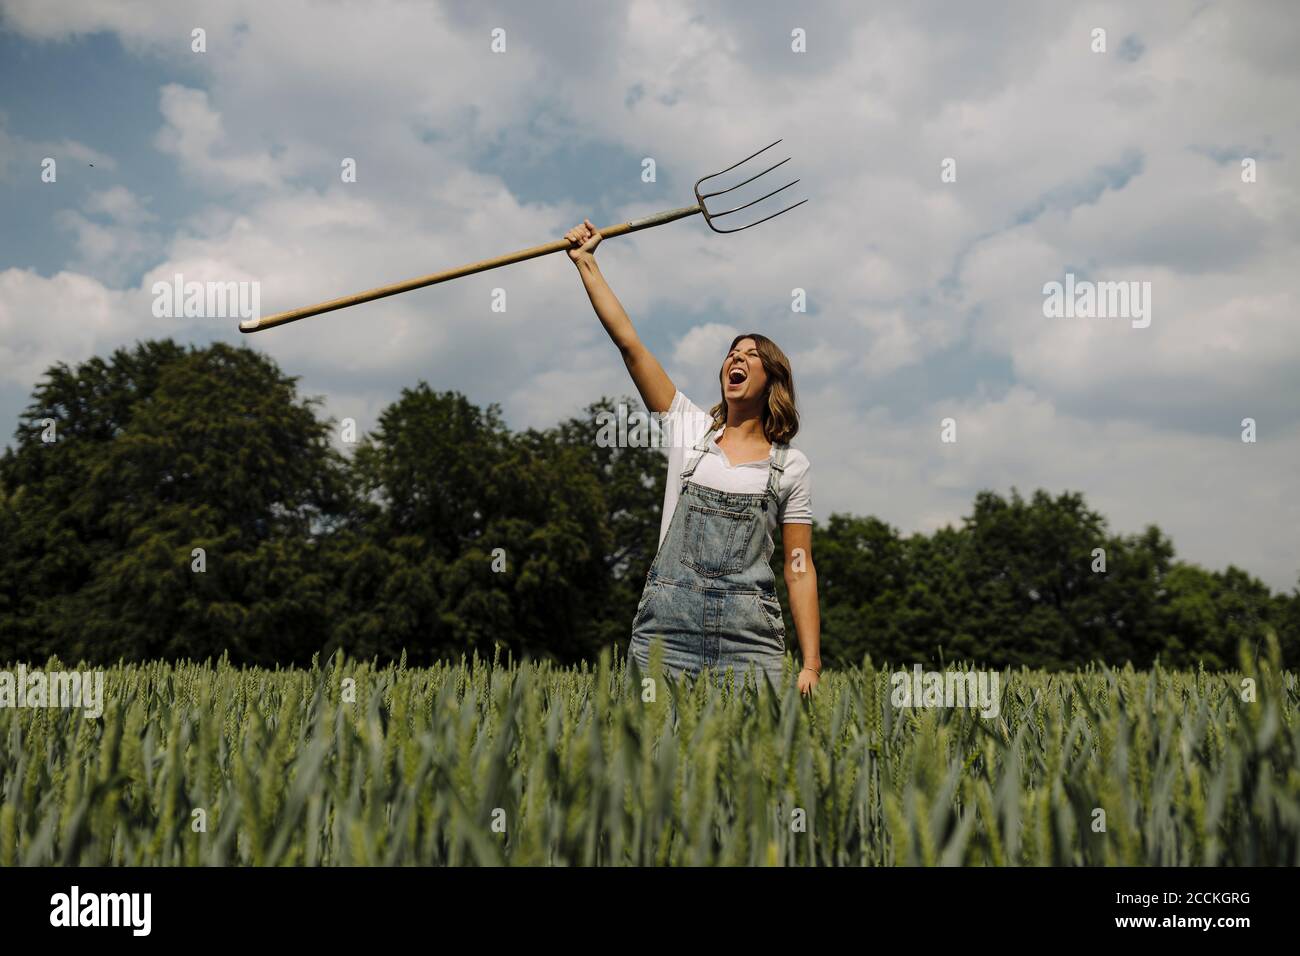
pixel 161 451
pixel 472 536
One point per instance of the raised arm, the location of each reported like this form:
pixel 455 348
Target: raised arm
pixel 656 388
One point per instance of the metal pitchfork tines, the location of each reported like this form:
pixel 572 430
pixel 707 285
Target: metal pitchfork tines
pixel 710 216
pixel 658 219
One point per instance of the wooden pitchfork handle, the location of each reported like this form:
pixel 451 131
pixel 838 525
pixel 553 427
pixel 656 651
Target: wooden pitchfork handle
pixel 281 318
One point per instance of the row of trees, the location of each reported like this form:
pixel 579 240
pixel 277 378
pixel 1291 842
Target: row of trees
pixel 177 502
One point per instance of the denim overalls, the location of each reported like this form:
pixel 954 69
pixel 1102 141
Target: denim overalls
pixel 710 595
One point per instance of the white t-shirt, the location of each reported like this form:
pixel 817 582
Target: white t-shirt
pixel 685 423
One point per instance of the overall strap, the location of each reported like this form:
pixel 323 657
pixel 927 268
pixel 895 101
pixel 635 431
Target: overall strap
pixel 701 449
pixel 776 468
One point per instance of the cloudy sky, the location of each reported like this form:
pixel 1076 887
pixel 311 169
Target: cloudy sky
pixel 925 297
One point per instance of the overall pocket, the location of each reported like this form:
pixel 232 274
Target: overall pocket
pixel 770 608
pixel 716 541
pixel 643 606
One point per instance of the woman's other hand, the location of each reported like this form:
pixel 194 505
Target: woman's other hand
pixel 807 681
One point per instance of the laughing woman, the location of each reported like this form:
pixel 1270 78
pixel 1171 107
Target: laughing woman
pixel 710 596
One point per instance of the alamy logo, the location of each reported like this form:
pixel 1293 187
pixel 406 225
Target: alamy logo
pixel 103 909
pixel 206 300
pixel 54 689
pixel 634 428
pixel 947 689
pixel 1098 300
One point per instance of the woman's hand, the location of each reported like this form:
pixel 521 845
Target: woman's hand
pixel 807 681
pixel 583 240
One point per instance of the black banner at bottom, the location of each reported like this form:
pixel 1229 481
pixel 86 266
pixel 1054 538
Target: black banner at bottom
pixel 337 905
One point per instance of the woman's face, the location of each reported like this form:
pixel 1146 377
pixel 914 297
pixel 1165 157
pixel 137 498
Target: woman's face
pixel 743 376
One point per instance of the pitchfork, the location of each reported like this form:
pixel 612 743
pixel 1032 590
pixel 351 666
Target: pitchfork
pixel 658 219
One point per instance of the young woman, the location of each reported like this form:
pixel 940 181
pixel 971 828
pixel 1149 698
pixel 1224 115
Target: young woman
pixel 710 596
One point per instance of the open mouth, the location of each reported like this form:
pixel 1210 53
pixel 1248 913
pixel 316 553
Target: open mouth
pixel 737 376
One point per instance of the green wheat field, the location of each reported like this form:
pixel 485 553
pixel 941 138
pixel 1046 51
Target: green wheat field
pixel 506 763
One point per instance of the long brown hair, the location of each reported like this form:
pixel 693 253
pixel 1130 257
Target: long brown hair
pixel 780 417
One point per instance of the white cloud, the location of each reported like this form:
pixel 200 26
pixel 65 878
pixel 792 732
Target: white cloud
pixel 66 317
pixel 704 347
pixel 194 135
pixel 21 158
pixel 119 239
pixel 120 205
